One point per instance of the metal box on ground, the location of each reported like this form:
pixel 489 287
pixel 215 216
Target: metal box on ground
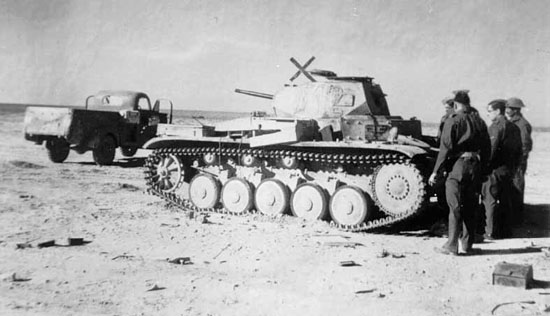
pixel 516 275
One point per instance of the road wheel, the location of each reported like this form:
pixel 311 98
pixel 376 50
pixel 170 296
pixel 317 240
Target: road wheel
pixel 237 196
pixel 128 151
pixel 271 197
pixel 58 149
pixel 104 152
pixel 349 206
pixel 309 201
pixel 204 191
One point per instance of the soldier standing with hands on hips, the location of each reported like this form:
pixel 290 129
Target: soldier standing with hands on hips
pixel 464 151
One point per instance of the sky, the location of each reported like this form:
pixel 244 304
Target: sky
pixel 196 52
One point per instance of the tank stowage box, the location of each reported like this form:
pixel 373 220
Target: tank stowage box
pixel 510 274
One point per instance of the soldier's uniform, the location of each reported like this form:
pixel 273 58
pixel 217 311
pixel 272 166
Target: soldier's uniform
pixel 448 103
pixel 464 151
pixel 527 145
pixel 496 191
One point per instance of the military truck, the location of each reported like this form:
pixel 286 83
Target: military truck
pixel 109 119
pixel 331 151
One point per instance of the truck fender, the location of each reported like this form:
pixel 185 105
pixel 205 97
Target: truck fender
pixel 97 137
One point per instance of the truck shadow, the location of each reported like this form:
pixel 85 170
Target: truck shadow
pixel 134 162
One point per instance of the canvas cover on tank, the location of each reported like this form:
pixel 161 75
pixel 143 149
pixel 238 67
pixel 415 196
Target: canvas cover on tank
pixel 319 99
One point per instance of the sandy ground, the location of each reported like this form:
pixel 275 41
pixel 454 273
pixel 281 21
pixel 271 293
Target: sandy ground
pixel 238 266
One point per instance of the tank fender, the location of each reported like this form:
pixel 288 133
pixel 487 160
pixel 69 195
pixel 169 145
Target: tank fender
pixel 165 141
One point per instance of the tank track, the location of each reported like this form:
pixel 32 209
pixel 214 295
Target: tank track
pixel 184 204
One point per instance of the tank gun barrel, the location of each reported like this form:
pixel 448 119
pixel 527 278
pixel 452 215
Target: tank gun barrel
pixel 255 94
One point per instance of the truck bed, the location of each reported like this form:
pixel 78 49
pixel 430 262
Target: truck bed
pixel 75 125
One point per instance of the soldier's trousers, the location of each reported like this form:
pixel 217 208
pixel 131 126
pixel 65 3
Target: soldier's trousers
pixel 496 197
pixel 461 190
pixel 518 189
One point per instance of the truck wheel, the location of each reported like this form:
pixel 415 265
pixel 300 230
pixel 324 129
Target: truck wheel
pixel 128 151
pixel 58 149
pixel 104 152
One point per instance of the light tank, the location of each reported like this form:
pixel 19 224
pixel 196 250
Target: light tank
pixel 332 151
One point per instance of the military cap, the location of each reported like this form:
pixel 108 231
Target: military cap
pixel 461 90
pixel 461 96
pixel 497 101
pixel 515 103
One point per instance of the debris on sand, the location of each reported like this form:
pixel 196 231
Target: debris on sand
pixel 345 244
pixel 15 278
pixel 223 249
pixel 509 303
pixel 384 253
pixel 123 256
pixel 24 164
pixel 129 187
pixel 49 243
pixel 349 263
pixel 75 241
pixel 365 291
pixel 23 245
pixel 156 288
pixel 180 260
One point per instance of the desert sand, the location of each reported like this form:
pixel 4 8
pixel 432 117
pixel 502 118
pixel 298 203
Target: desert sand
pixel 237 265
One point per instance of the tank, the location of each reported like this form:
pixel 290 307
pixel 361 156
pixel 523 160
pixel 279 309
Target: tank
pixel 330 151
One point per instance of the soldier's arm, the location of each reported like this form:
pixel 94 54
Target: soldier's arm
pixel 486 148
pixel 496 140
pixel 446 145
pixel 515 135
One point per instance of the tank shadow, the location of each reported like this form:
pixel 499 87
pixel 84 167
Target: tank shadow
pixel 508 251
pixel 432 222
pixel 421 225
pixel 536 222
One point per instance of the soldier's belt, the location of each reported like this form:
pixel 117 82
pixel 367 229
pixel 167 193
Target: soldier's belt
pixel 470 155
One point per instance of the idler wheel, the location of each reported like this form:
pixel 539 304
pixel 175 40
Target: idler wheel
pixel 309 201
pixel 271 197
pixel 204 191
pixel 168 173
pixel 349 206
pixel 237 196
pixel 398 189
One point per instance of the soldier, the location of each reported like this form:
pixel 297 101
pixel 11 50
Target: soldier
pixel 513 113
pixel 439 186
pixel 504 159
pixel 464 151
pixel 448 103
